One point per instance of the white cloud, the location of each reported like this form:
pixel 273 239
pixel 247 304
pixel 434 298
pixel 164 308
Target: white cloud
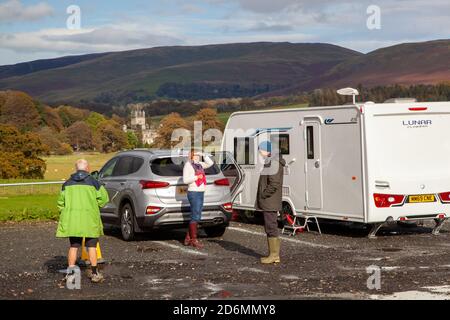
pixel 102 39
pixel 14 10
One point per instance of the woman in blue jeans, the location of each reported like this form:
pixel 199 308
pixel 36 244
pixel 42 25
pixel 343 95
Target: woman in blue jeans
pixel 194 176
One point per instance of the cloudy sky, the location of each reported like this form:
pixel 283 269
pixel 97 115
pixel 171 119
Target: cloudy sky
pixel 37 29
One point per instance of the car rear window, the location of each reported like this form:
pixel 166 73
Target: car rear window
pixel 173 167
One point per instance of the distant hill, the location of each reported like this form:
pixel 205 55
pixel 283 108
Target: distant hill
pixel 223 71
pixel 407 64
pixel 45 64
pixel 213 71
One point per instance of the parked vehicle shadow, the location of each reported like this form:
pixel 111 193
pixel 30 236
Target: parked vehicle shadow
pixel 235 247
pixel 360 230
pixel 154 235
pixel 347 229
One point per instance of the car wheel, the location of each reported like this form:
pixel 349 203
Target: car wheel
pixel 215 232
pixel 126 222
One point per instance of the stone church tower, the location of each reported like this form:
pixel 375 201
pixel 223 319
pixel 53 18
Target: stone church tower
pixel 138 124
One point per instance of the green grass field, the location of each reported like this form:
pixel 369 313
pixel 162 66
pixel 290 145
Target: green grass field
pixel 31 207
pixel 61 167
pixel 20 203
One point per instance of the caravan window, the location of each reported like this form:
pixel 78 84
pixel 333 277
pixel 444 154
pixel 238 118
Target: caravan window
pixel 283 143
pixel 310 141
pixel 244 150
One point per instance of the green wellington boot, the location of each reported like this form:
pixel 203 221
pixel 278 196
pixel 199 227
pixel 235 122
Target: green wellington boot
pixel 274 251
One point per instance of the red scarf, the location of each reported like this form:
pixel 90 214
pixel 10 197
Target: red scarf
pixel 198 168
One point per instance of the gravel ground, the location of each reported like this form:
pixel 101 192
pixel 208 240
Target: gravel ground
pixel 414 264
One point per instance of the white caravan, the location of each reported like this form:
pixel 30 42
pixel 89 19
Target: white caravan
pixel 369 163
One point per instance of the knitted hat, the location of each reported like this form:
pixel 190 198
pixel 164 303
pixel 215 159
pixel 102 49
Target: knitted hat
pixel 265 146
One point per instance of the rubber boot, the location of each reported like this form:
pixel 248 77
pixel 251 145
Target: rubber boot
pixel 193 233
pixel 274 251
pixel 187 239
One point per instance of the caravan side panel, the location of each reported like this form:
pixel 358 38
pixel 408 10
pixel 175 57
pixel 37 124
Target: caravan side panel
pixel 341 162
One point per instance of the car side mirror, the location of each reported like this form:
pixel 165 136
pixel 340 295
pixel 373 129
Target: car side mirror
pixel 95 174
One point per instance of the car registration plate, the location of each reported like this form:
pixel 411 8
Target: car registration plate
pixel 422 198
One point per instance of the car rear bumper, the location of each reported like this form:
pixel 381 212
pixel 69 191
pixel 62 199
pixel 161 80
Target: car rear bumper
pixel 181 216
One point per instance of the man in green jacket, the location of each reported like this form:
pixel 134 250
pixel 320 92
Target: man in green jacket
pixel 79 202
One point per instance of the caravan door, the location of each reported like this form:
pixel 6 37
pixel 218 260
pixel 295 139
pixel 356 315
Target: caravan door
pixel 313 165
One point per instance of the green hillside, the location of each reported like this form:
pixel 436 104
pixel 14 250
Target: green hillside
pixel 213 71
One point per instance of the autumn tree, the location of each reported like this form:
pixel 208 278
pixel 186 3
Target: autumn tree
pixel 69 115
pixel 133 141
pixel 18 109
pixel 94 119
pixel 79 136
pixel 110 137
pixel 166 128
pixel 50 118
pixel 209 120
pixel 53 140
pixel 19 154
pixel 118 119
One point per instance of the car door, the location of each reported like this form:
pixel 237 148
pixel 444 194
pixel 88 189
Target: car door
pixel 232 171
pixel 117 183
pixel 105 177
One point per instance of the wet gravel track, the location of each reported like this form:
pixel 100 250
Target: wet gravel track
pixel 158 266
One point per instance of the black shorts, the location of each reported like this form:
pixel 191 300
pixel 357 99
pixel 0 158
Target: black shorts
pixel 76 242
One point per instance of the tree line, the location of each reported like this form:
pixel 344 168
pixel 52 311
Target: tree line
pixel 30 129
pixel 38 130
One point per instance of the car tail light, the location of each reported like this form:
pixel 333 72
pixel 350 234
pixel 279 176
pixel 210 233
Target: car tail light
pixel 228 207
pixel 222 182
pixel 153 184
pixel 388 200
pixel 445 197
pixel 153 209
pixel 418 109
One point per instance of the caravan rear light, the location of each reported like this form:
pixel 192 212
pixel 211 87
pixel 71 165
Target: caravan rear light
pixel 418 109
pixel 387 200
pixel 441 216
pixel 228 207
pixel 403 218
pixel 153 210
pixel 222 182
pixel 153 184
pixel 445 197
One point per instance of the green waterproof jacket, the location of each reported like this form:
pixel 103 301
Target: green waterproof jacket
pixel 79 202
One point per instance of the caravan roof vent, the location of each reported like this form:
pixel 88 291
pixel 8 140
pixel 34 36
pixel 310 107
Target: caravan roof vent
pixel 349 92
pixel 401 100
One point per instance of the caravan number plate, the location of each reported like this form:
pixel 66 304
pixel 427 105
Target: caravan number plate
pixel 422 198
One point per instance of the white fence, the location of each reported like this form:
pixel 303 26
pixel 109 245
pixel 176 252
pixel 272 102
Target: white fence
pixel 30 188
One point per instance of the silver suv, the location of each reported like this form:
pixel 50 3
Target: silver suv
pixel 146 191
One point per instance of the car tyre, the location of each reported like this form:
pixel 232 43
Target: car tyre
pixel 127 222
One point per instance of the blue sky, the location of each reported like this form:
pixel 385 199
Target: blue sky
pixel 36 29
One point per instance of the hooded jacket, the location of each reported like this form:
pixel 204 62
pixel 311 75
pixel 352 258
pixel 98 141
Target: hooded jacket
pixel 270 184
pixel 79 202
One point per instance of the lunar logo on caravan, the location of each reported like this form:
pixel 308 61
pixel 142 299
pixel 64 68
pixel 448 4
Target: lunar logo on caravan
pixel 329 121
pixel 417 123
